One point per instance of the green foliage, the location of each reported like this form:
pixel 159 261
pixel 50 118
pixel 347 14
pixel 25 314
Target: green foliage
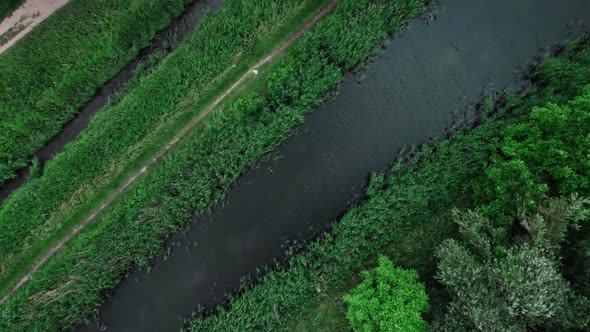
pixel 547 152
pixel 45 209
pixel 199 171
pixel 563 78
pixel 520 287
pixel 388 299
pixel 57 67
pixel 8 6
pixel 36 168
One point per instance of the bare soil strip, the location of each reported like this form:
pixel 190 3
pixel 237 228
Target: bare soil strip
pixel 25 18
pixel 252 71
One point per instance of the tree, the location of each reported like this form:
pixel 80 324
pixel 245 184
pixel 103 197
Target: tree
pixel 388 299
pixel 517 286
pixel 546 153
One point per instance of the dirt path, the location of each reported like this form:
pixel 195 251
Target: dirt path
pixel 159 154
pixel 24 19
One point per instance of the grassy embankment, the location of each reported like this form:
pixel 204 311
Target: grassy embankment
pixel 8 6
pixel 406 215
pixel 202 169
pixel 57 67
pixel 126 135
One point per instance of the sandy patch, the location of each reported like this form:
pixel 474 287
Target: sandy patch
pixel 25 18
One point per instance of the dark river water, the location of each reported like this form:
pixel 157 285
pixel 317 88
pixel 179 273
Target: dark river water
pixel 407 95
pixel 163 42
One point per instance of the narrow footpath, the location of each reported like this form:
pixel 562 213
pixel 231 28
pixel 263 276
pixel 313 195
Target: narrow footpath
pixel 144 168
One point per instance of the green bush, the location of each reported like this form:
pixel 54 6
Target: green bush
pixel 388 299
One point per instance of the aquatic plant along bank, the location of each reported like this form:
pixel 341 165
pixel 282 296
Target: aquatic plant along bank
pixel 404 216
pixel 113 90
pixel 52 72
pixel 404 98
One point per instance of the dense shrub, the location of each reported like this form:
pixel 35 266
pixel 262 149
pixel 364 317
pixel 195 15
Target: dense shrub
pixel 388 299
pixel 547 152
pixel 518 287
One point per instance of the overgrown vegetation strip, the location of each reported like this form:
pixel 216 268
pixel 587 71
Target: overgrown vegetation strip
pixel 200 171
pixel 48 76
pixel 406 215
pixel 126 135
pixel 160 153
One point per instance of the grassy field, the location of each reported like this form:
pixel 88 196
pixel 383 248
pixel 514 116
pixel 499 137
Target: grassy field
pixel 406 215
pixel 55 69
pixel 201 170
pixel 8 6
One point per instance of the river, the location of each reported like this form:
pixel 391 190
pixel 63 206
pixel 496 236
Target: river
pixel 427 75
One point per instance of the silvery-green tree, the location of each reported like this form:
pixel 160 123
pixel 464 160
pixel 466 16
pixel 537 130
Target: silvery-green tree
pixel 515 284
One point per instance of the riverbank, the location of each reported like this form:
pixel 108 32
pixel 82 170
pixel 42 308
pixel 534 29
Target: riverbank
pixel 253 127
pixel 406 216
pixel 139 252
pixel 162 44
pixel 119 142
pixel 312 177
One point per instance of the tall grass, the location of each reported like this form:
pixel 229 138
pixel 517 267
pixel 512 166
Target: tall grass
pixel 202 169
pixel 46 77
pixel 403 217
pixel 75 182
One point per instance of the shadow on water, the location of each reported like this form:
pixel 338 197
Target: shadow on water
pixel 163 43
pixel 410 93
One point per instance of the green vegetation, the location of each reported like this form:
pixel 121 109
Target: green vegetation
pixel 507 174
pixel 57 67
pixel 548 152
pixel 126 134
pixel 8 6
pixel 514 288
pixel 201 170
pixel 407 215
pixel 388 299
